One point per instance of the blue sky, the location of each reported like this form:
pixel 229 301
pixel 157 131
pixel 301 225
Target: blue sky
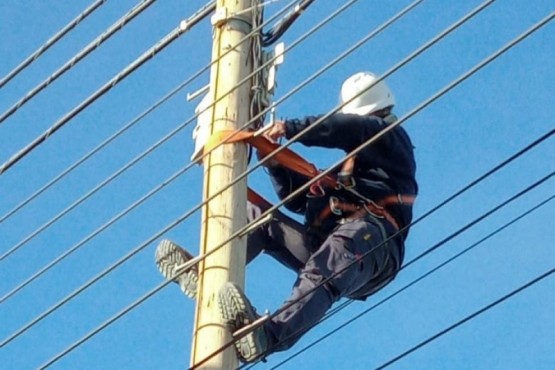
pixel 491 116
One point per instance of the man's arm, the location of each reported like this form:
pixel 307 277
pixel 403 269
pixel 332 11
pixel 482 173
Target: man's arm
pixel 342 131
pixel 285 182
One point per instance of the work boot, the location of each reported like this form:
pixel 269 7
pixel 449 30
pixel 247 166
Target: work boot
pixel 170 258
pixel 237 312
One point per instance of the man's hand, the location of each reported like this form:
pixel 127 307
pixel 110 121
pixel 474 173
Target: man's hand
pixel 276 131
pixel 272 133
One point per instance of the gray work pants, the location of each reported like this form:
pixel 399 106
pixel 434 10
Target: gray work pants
pixel 353 261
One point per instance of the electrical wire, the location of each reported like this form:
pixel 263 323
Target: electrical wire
pixel 434 247
pixel 138 9
pixel 103 183
pixel 278 30
pixel 169 227
pixel 135 160
pixel 129 125
pixel 149 54
pixel 173 177
pixel 414 282
pixel 423 105
pixel 111 221
pixel 233 236
pixel 230 343
pixel 470 317
pixel 297 192
pixel 34 56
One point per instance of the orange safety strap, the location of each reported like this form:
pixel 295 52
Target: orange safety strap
pixel 400 199
pixel 286 157
pixel 257 199
pixel 291 160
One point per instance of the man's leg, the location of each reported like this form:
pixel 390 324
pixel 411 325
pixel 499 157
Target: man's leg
pixel 170 259
pixel 282 238
pixel 351 258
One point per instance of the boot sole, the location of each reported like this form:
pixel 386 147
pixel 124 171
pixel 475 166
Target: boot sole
pixel 236 312
pixel 168 257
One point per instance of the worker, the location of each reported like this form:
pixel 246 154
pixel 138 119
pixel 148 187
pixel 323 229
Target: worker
pixel 352 241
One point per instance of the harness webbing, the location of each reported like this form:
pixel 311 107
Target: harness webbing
pixel 286 157
pixel 294 162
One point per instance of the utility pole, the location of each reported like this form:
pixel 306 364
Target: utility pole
pixel 226 213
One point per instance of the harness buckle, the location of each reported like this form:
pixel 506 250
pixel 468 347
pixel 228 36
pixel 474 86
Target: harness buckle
pixel 316 190
pixel 374 209
pixel 334 201
pixel 345 180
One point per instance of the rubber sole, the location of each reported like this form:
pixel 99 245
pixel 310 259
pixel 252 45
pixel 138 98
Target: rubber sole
pixel 236 312
pixel 169 256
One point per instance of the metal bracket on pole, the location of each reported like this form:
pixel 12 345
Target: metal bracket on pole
pixel 196 94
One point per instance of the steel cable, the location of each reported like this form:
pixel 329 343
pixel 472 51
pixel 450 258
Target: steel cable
pixel 146 56
pixel 469 317
pixel 239 232
pixel 129 124
pixel 51 41
pixel 166 283
pixel 118 25
pixel 412 283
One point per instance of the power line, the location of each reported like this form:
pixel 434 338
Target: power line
pixel 173 177
pixel 169 227
pixel 158 288
pixel 414 111
pixel 149 54
pixel 278 30
pixel 129 125
pixel 151 149
pixel 34 56
pixel 453 235
pixel 243 230
pixel 123 312
pixel 179 220
pixel 470 317
pixel 82 54
pixel 110 178
pixel 95 233
pixel 416 281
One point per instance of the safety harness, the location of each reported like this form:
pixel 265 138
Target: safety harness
pixel 344 180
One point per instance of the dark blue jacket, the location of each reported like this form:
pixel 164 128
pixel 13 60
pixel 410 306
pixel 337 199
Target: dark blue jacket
pixel 385 167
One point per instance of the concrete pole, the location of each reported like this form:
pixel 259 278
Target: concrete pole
pixel 226 213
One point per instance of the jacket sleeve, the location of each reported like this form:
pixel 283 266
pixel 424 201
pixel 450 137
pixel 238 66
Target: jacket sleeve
pixel 286 182
pixel 341 131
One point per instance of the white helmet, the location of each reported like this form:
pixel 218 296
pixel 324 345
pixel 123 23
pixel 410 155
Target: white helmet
pixel 370 99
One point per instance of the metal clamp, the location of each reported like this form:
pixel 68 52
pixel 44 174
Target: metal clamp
pixel 333 206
